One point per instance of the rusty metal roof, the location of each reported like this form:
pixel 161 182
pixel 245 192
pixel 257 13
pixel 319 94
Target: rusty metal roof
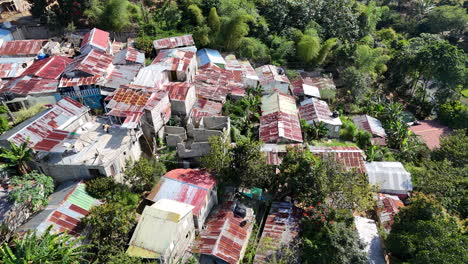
pixel 214 83
pixel 188 186
pixel 14 69
pixel 313 109
pixel 50 68
pixel 97 38
pixel 387 207
pixel 22 47
pixel 178 90
pixel 351 158
pixel 224 237
pixel 121 75
pixel 370 124
pixel 128 56
pixel 27 85
pixel 269 73
pixel 93 63
pixel 205 108
pixel 305 86
pixel 46 131
pixel 79 81
pixel 173 42
pixel 175 59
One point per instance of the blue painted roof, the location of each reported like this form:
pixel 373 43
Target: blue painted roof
pixel 205 56
pixel 4 32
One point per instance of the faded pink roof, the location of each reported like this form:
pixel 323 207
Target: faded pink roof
pixel 22 47
pixel 46 132
pixel 224 237
pixel 269 73
pixel 50 68
pixel 79 81
pixel 178 90
pixel 11 70
pixel 93 63
pixel 215 83
pixel 175 59
pixel 313 109
pixel 351 158
pixel 205 108
pixel 96 37
pixel 173 42
pixel 280 127
pixel 200 178
pixel 370 124
pixel 26 85
pixel 430 132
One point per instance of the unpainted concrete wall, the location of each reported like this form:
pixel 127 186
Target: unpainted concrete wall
pixel 197 149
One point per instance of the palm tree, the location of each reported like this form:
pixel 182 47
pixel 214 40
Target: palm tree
pixel 48 248
pixel 18 156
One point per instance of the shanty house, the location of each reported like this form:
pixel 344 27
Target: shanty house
pixel 71 145
pixel 182 96
pixel 313 110
pixel 304 87
pixel 65 210
pixel 215 84
pixel 273 79
pixel 49 68
pixel 373 126
pixel 121 76
pixel 350 158
pixel 390 177
pixel 210 57
pixel 22 48
pixel 152 76
pixel 279 121
pixel 173 42
pixel 387 207
pixel 191 186
pixel 96 39
pixel 180 65
pixel 130 55
pixel 164 231
pixel 249 75
pixel 227 233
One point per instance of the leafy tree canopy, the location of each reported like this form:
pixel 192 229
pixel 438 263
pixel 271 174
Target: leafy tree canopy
pixel 33 187
pixel 143 174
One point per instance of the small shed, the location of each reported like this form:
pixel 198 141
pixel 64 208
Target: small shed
pixel 272 79
pixel 313 110
pixel 391 177
pixel 210 56
pixel 373 126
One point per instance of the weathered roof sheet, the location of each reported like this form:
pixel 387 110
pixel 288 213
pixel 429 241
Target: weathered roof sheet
pixel 269 73
pixel 178 90
pixel 279 121
pixel 207 56
pixel 153 76
pixel 205 108
pixel 224 236
pixel 387 207
pixel 281 229
pixel 276 152
pixel 129 55
pixel 351 158
pixel 174 59
pixel 248 72
pixel 214 83
pixel 65 210
pixel 173 42
pixel 313 109
pixel 79 81
pixel 30 47
pixel 97 38
pixel 391 177
pixel 370 124
pixel 188 186
pixel 121 75
pixel 50 68
pixel 46 132
pixel 305 86
pixel 93 63
pixel 368 234
pixel 28 85
pixel 430 132
pixel 14 67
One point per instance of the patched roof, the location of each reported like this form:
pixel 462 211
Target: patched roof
pixel 391 177
pixel 28 85
pixel 188 186
pixel 276 152
pixel 46 131
pixel 178 90
pixel 93 63
pixel 281 229
pixel 97 38
pixel 79 81
pixel 214 83
pixel 120 76
pixel 313 109
pixel 173 42
pixel 152 76
pixel 14 67
pixel 305 86
pixel 351 158
pixel 269 73
pixel 244 66
pixel 65 210
pixel 387 207
pixel 224 236
pixel 50 68
pixel 30 47
pixel 370 124
pixel 129 55
pixel 205 108
pixel 430 132
pixel 174 59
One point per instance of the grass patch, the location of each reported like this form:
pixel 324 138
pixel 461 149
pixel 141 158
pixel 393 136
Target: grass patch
pixel 332 143
pixel 24 114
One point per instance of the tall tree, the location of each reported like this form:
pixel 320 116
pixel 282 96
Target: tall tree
pixel 213 21
pixel 143 174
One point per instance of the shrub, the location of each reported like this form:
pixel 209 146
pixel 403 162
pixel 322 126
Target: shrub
pixel 454 114
pixel 33 187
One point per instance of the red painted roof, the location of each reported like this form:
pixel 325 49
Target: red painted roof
pixel 26 85
pixel 315 110
pixel 351 158
pixel 22 47
pixel 94 63
pixel 173 42
pixel 200 178
pixel 224 237
pixel 178 90
pixel 279 127
pixel 430 132
pixel 205 108
pixel 50 68
pixel 96 37
pixel 69 82
pixel 46 132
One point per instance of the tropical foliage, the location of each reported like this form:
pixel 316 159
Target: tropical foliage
pixel 33 188
pixel 17 156
pixel 143 174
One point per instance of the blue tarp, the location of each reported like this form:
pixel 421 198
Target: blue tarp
pixel 205 56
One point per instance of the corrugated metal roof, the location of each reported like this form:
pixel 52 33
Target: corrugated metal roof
pixel 175 59
pixel 173 42
pixel 120 76
pixel 370 124
pixel 157 228
pixel 28 85
pixel 430 132
pixel 79 81
pixel 93 63
pixel 248 72
pixel 313 109
pixel 224 236
pixel 387 207
pixel 351 158
pixel 281 229
pixel 391 177
pixel 269 73
pixel 97 38
pixel 30 47
pixel 152 76
pixel 205 108
pixel 128 56
pixel 178 90
pixel 188 186
pixel 12 70
pixel 50 68
pixel 214 83
pixel 46 132
pixel 65 210
pixel 305 86
pixel 207 56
